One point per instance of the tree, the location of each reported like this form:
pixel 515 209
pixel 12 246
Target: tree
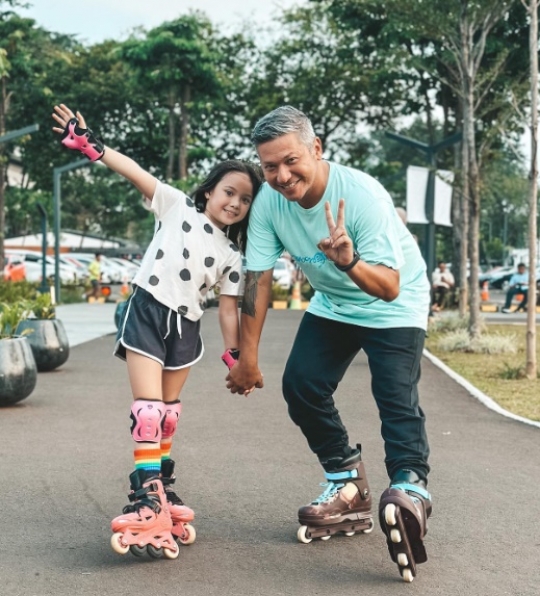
pixel 175 63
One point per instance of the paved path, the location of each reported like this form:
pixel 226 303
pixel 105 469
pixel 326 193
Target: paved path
pixel 65 455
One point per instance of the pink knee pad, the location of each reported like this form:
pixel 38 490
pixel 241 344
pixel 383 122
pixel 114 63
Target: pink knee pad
pixel 147 419
pixel 170 422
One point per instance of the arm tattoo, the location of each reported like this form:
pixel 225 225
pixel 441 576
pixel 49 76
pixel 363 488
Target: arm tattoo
pixel 250 292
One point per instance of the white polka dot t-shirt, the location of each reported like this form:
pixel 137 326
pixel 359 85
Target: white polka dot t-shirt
pixel 187 257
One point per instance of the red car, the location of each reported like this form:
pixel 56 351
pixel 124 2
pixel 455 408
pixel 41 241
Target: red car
pixel 14 268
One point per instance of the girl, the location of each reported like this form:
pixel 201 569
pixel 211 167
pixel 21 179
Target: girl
pixel 196 246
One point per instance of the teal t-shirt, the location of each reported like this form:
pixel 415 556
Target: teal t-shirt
pixel 377 232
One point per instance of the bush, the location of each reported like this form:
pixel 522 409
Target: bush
pixel 460 341
pixel 14 291
pixel 451 322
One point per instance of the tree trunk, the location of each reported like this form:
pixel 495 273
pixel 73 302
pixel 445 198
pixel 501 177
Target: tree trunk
pixel 172 135
pixel 531 366
pixel 184 131
pixel 3 171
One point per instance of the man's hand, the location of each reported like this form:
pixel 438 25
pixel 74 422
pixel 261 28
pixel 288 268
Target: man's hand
pixel 243 378
pixel 338 247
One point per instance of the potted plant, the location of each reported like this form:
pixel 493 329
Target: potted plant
pixel 18 371
pixel 48 339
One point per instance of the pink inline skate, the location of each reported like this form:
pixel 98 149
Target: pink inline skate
pixel 181 515
pixel 145 525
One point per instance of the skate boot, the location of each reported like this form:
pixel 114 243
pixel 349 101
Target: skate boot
pixel 182 530
pixel 345 505
pixel 403 512
pixel 145 525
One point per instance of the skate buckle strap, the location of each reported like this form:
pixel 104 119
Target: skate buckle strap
pixel 414 488
pixel 345 475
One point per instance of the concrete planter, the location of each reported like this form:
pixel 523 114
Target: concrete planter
pixel 48 341
pixel 18 371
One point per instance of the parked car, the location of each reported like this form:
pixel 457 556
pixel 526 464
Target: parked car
pixel 14 268
pixel 34 267
pixel 111 273
pixel 283 275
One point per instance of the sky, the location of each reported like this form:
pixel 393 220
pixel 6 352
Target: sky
pixel 95 20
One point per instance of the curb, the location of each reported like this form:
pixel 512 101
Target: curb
pixel 481 397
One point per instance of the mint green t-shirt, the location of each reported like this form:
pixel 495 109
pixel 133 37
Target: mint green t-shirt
pixel 377 232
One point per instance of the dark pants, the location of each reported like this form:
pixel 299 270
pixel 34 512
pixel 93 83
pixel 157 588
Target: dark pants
pixel 439 296
pixel 322 352
pixel 514 292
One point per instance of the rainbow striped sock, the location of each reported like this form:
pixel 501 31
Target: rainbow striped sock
pixel 148 457
pixel 166 445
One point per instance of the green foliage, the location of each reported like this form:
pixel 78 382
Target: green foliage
pixel 10 317
pixel 15 291
pixel 41 307
pixel 279 293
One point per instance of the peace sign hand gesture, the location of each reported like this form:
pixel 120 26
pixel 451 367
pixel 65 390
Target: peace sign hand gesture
pixel 338 247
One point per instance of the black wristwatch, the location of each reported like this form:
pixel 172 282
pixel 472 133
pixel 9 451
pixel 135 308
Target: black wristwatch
pixel 355 259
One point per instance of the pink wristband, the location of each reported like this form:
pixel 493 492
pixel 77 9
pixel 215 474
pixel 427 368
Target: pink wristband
pixel 230 357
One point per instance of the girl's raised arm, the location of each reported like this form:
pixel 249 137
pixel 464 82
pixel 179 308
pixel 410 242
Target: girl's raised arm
pixel 76 136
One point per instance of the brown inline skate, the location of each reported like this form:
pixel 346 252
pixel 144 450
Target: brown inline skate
pixel 345 505
pixel 404 509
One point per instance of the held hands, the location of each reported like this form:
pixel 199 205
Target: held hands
pixel 75 134
pixel 338 247
pixel 243 378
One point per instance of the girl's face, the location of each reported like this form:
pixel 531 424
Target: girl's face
pixel 230 200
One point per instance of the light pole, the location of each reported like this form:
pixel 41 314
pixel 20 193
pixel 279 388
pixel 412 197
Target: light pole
pixel 57 172
pixel 430 151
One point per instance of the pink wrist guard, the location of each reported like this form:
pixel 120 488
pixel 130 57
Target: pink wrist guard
pixel 230 357
pixel 83 140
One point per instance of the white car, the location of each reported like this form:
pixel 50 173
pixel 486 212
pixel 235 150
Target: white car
pixel 283 274
pixel 34 267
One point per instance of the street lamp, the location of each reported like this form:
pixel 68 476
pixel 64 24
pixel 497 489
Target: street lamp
pixel 57 172
pixel 430 152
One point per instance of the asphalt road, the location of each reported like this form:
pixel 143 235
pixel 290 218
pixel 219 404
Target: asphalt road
pixel 244 468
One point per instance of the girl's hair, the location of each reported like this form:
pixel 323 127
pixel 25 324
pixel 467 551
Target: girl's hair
pixel 237 233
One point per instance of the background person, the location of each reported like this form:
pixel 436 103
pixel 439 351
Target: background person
pixel 442 284
pixel 518 284
pixel 94 276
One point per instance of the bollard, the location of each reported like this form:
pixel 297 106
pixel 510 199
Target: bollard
pixel 296 299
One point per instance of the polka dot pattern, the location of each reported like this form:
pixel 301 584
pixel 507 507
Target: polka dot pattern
pixel 159 254
pixel 234 277
pixel 153 281
pixel 208 229
pixel 183 310
pixel 185 254
pixel 209 261
pixel 189 202
pixel 185 275
pixel 234 248
pixel 186 227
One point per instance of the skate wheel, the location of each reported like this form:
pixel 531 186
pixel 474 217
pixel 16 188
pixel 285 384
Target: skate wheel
pixel 390 514
pixel 407 575
pixel 326 537
pixel 349 534
pixel 189 535
pixel 169 553
pixel 402 560
pixel 138 551
pixel 370 529
pixel 155 553
pixel 395 536
pixel 116 544
pixel 302 536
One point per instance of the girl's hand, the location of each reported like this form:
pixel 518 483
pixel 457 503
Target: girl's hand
pixel 63 115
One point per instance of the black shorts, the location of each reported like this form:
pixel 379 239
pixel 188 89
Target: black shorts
pixel 149 328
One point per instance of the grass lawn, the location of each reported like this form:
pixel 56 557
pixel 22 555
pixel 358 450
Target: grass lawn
pixel 496 375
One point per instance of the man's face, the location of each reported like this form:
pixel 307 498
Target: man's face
pixel 293 169
pixel 442 267
pixel 521 269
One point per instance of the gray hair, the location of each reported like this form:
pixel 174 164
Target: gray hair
pixel 282 121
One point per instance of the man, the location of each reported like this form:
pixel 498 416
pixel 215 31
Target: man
pixel 443 282
pixel 94 276
pixel 372 293
pixel 519 284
